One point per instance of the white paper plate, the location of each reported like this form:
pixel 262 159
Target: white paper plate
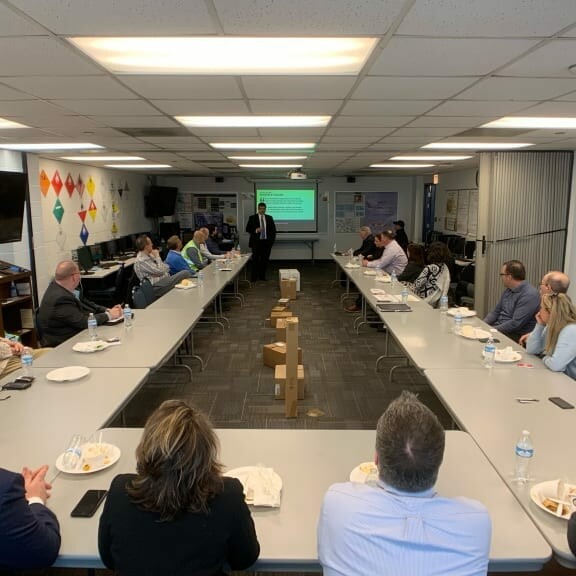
pixel 244 472
pixel 363 472
pixel 549 489
pixel 513 357
pixel 90 347
pixel 225 269
pixel 113 455
pixel 385 279
pixel 181 286
pixel 476 334
pixel 464 312
pixel 68 373
pixel 351 265
pixel 369 272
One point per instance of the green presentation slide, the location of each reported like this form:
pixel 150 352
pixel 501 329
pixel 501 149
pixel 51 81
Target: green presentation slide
pixel 289 204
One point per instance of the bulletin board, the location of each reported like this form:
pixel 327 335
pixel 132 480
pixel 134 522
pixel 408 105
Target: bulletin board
pixel 462 211
pixel 355 209
pixel 190 205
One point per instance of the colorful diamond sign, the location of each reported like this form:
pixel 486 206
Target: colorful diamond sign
pixel 57 183
pixel 114 228
pixel 84 234
pixel 91 186
pixel 69 184
pixel 82 215
pixel 80 185
pixel 58 210
pixel 92 210
pixel 44 183
pixel 115 209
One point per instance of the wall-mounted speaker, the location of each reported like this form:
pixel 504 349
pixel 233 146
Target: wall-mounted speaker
pixel 219 179
pixel 351 179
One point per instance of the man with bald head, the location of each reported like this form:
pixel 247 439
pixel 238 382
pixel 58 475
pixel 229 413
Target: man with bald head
pixel 64 311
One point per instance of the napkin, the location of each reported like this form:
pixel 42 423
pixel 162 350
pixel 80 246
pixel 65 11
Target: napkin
pixel 351 265
pixel 385 279
pixel 262 486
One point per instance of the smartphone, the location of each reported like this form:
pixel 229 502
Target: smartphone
pixel 16 385
pixel 89 503
pixel 561 403
pixel 24 379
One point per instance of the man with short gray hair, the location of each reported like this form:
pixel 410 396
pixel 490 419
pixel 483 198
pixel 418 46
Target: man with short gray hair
pixel 400 526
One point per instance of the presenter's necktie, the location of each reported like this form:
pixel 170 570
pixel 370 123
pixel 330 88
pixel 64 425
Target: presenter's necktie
pixel 262 227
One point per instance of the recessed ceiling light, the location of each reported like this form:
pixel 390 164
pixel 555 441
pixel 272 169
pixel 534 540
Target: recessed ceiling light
pixel 51 146
pixel 137 166
pixel 270 165
pixel 531 122
pixel 476 145
pixel 9 124
pixel 401 165
pixel 253 121
pixel 229 55
pixel 263 145
pixel 425 158
pixel 263 157
pixel 88 158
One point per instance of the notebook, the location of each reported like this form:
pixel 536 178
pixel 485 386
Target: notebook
pixel 393 307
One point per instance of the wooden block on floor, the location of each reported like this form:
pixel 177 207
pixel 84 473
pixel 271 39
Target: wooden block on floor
pixel 274 316
pixel 280 377
pixel 274 354
pixel 288 288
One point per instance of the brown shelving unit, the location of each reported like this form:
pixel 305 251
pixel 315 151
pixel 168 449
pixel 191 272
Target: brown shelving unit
pixel 16 304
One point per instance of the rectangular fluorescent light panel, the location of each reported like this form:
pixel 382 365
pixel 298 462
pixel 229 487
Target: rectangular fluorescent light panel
pixel 229 55
pixel 263 157
pixel 270 165
pixel 88 158
pixel 532 122
pixel 262 145
pixel 401 165
pixel 137 166
pixel 426 158
pixel 253 121
pixel 51 146
pixel 476 145
pixel 9 124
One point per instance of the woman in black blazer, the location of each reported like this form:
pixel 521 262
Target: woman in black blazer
pixel 178 515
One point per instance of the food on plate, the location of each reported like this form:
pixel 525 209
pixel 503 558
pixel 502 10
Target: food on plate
pixel 468 331
pixel 94 456
pixel 553 507
pixel 186 282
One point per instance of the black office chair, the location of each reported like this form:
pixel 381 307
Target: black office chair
pixel 112 295
pixel 38 326
pixel 143 295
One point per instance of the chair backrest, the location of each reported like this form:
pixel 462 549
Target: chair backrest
pixel 143 295
pixel 120 284
pixel 38 326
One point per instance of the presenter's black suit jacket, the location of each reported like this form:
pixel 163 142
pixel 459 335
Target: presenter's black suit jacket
pixel 29 533
pixel 254 222
pixel 62 315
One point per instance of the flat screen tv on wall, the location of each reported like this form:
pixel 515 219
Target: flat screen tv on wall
pixel 161 201
pixel 13 187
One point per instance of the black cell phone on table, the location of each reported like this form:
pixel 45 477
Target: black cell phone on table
pixel 17 385
pixel 561 403
pixel 89 503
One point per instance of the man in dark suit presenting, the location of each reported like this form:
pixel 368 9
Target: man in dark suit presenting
pixel 262 232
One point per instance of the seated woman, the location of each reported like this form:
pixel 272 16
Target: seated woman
pixel 415 263
pixel 555 334
pixel 178 515
pixel 434 281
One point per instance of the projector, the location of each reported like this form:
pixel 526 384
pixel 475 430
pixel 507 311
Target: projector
pixel 297 175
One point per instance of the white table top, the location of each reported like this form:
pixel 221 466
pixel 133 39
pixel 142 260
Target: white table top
pixel 485 406
pixel 37 424
pixel 98 273
pixel 153 338
pixel 309 461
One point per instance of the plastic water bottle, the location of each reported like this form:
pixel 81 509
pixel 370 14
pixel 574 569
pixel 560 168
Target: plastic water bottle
pixel 458 323
pixel 27 360
pixel 335 249
pixel 127 313
pixel 200 277
pixel 393 278
pixel 73 453
pixel 443 304
pixel 524 454
pixel 92 327
pixel 489 351
pixel 404 295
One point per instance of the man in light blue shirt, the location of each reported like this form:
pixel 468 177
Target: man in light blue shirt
pixel 400 526
pixel 393 258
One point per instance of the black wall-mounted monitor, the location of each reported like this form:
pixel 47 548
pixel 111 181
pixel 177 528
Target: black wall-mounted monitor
pixel 13 187
pixel 161 201
pixel 85 259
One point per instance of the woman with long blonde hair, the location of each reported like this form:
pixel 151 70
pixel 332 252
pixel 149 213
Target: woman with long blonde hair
pixel 555 334
pixel 177 515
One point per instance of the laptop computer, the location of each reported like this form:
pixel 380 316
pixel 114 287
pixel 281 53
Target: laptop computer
pixel 393 307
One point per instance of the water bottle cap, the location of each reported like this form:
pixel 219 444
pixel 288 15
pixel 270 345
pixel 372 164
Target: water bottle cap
pixel 525 433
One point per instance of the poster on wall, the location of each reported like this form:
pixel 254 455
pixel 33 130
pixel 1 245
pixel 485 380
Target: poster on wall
pixel 473 213
pixel 375 209
pixel 462 218
pixel 451 210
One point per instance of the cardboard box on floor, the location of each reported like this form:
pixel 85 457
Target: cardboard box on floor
pixel 280 386
pixel 274 354
pixel 292 372
pixel 275 316
pixel 288 288
pixel 281 329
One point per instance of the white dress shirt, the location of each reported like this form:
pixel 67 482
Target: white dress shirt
pixel 393 259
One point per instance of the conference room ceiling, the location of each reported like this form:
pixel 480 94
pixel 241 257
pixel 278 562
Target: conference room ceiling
pixel 440 70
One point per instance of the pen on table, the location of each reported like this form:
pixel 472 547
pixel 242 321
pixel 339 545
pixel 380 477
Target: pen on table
pixel 527 400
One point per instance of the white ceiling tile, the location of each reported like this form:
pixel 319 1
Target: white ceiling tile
pixel 518 89
pixel 350 139
pixel 201 156
pixel 450 121
pixel 405 139
pixel 137 121
pixel 68 123
pixel 176 142
pixel 135 147
pixel 41 56
pixel 29 108
pixel 396 88
pixel 371 121
pixel 446 56
pixel 555 108
pixel 388 107
pixel 108 107
pixel 292 134
pixel 423 132
pixel 571 97
pixel 488 18
pixel 343 146
pixel 347 132
pixel 322 107
pixel 478 108
pixel 339 17
pixel 110 17
pixel 201 107
pixel 13 24
pixel 553 59
pixel 184 87
pixel 394 146
pixel 297 87
pixel 11 94
pixel 70 87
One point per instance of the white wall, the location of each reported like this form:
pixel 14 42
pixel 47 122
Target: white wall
pixel 404 185
pixel 570 258
pixel 461 179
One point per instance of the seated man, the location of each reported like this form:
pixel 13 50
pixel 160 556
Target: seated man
pixel 210 248
pixel 192 252
pixel 368 249
pixel 401 236
pixel 64 311
pixel 149 265
pixel 400 525
pixel 176 262
pixel 29 532
pixel 519 303
pixel 393 259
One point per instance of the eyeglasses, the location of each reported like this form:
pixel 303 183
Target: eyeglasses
pixel 504 274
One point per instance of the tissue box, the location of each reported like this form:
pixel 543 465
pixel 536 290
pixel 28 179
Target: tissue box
pixel 288 288
pixel 273 354
pixel 290 274
pixel 275 316
pixel 280 386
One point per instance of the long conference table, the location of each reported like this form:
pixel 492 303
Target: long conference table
pixel 484 402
